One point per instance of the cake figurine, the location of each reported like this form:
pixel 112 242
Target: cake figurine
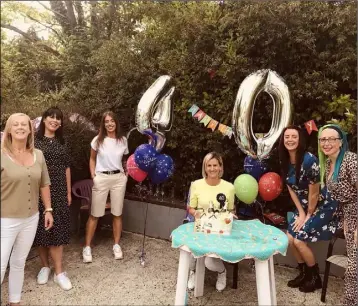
pixel 213 221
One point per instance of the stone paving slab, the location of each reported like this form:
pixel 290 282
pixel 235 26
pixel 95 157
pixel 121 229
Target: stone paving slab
pixel 125 282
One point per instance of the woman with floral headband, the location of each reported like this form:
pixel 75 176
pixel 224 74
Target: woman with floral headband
pixel 339 174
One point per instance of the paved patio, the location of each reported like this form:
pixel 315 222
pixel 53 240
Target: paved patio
pixel 126 282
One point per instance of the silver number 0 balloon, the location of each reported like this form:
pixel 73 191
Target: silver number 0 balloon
pixel 271 83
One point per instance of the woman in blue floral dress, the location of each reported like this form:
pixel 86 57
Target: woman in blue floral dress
pixel 315 216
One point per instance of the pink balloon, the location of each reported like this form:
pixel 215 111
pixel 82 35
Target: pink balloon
pixel 133 170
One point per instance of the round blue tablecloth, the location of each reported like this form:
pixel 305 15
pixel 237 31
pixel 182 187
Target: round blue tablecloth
pixel 248 239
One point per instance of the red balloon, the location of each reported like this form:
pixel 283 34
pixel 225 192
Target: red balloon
pixel 133 170
pixel 270 186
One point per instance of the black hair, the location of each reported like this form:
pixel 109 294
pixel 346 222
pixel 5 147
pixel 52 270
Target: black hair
pixel 284 156
pixel 53 112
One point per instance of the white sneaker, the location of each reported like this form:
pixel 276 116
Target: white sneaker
pixel 117 252
pixel 63 281
pixel 221 282
pixel 44 274
pixel 191 280
pixel 87 254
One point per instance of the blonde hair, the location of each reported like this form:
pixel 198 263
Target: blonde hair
pixel 208 157
pixel 6 139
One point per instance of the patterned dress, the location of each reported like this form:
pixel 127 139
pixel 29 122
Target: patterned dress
pixel 323 222
pixel 344 190
pixel 57 161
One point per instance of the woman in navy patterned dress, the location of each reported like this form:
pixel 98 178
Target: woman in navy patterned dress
pixel 315 216
pixel 49 139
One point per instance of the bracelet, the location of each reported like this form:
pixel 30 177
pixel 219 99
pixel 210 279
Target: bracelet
pixel 48 210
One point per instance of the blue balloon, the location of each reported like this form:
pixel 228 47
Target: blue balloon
pixel 162 170
pixel 254 167
pixel 145 156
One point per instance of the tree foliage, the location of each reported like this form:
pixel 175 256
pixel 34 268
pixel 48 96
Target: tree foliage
pixel 104 54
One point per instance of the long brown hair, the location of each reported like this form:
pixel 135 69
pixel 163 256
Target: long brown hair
pixel 284 156
pixel 103 132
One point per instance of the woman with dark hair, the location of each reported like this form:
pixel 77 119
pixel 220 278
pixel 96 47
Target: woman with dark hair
pixel 339 173
pixel 107 172
pixel 315 215
pixel 49 139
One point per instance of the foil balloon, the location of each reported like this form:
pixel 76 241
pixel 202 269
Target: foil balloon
pixel 155 110
pixel 152 137
pixel 162 118
pixel 160 141
pixel 146 103
pixel 271 83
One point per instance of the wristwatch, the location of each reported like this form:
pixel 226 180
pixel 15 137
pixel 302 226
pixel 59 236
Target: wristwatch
pixel 48 210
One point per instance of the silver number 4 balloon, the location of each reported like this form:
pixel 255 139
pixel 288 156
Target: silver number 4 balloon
pixel 155 110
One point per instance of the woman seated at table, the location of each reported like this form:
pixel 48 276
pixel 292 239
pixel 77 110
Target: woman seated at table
pixel 202 193
pixel 315 216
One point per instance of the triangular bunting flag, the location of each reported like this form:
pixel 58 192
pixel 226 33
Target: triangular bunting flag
pixel 193 109
pixel 199 115
pixel 222 128
pixel 205 120
pixel 310 126
pixel 212 124
pixel 229 132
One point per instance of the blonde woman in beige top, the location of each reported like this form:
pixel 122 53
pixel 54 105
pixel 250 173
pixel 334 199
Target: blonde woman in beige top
pixel 24 176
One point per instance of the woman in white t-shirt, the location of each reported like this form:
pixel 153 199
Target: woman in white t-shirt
pixel 107 172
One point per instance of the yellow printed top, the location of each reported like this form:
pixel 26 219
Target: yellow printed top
pixel 201 194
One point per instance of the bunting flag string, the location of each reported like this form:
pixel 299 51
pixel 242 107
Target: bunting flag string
pixel 209 122
pixel 212 124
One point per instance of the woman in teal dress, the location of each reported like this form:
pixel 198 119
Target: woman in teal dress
pixel 315 216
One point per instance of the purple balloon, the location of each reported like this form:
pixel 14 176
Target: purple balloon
pixel 145 156
pixel 163 169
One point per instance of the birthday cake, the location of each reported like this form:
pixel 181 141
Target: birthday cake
pixel 213 221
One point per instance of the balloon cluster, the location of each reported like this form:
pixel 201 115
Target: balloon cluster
pixel 146 160
pixel 257 180
pixel 155 109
